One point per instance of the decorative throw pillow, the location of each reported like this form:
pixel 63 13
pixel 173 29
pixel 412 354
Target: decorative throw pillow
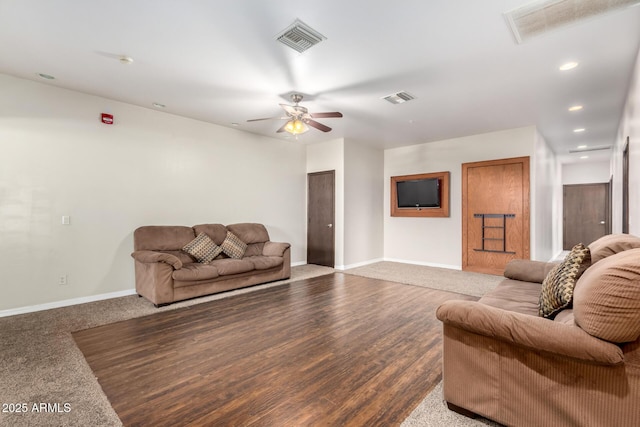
pixel 202 248
pixel 233 246
pixel 557 287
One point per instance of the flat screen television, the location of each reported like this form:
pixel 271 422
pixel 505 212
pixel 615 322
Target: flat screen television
pixel 418 193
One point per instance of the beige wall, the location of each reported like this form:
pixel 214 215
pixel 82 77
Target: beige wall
pixel 364 201
pixel 546 202
pixel 629 127
pixel 149 167
pixel 586 172
pixel 324 157
pixel 438 241
pixel 156 168
pixel 359 194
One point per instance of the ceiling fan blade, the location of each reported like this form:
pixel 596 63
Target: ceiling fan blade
pixel 268 118
pixel 318 126
pixel 290 109
pixel 326 115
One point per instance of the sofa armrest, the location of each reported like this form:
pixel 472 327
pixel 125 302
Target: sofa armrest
pixel 274 248
pixel 528 270
pixel 152 256
pixel 532 332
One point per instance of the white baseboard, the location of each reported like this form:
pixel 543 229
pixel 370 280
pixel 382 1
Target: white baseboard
pixel 427 264
pixel 65 303
pixel 358 264
pixel 92 298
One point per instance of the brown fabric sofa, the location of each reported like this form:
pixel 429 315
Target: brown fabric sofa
pixel 165 273
pixel 504 362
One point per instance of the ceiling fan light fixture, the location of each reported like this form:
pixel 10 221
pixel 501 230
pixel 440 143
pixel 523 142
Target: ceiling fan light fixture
pixel 295 127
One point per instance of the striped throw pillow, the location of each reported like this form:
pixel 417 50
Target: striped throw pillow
pixel 557 287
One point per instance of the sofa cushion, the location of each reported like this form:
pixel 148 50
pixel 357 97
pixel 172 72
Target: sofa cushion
pixel 612 244
pixel 514 295
pixel 264 262
pixel 254 249
pixel 557 288
pixel 249 232
pixel 202 248
pixel 162 237
pixel 233 246
pixel 528 270
pixel 217 232
pixel 229 266
pixel 195 271
pixel 607 298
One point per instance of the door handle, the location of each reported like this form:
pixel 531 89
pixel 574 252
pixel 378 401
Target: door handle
pixel 603 222
pixel 329 225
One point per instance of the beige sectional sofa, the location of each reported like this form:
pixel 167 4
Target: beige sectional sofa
pixel 582 368
pixel 166 273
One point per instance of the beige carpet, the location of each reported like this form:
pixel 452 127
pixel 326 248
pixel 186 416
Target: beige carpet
pixel 40 363
pixel 462 282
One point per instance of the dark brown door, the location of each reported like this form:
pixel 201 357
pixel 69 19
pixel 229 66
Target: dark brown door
pixel 495 214
pixel 320 224
pixel 585 213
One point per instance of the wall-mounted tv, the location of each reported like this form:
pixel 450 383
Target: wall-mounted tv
pixel 418 193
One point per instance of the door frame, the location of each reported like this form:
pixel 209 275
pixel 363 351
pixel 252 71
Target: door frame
pixel 625 188
pixel 526 213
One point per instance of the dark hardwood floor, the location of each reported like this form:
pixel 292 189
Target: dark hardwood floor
pixel 336 350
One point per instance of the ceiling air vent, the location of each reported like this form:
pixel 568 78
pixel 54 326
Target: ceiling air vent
pixel 547 15
pixel 398 98
pixel 300 37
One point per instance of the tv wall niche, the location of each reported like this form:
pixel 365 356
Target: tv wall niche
pixel 420 195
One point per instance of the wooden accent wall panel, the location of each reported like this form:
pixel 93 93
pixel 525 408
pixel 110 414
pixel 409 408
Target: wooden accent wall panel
pixel 442 211
pixel 495 214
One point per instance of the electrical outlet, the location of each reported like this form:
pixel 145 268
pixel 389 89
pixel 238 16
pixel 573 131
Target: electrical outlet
pixel 62 280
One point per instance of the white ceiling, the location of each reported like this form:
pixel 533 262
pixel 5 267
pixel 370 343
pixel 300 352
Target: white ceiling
pixel 219 61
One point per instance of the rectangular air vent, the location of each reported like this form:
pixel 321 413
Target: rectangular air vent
pixel 399 98
pixel 300 37
pixel 541 16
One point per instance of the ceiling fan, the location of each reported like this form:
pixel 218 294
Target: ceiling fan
pixel 298 117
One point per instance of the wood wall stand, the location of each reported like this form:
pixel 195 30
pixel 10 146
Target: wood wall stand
pixel 442 211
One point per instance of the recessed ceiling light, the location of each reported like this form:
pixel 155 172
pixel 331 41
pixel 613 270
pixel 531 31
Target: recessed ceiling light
pixel 578 130
pixel 568 66
pixel 581 147
pixel 575 108
pixel 158 105
pixel 235 124
pixel 584 157
pixel 46 76
pixel 126 60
